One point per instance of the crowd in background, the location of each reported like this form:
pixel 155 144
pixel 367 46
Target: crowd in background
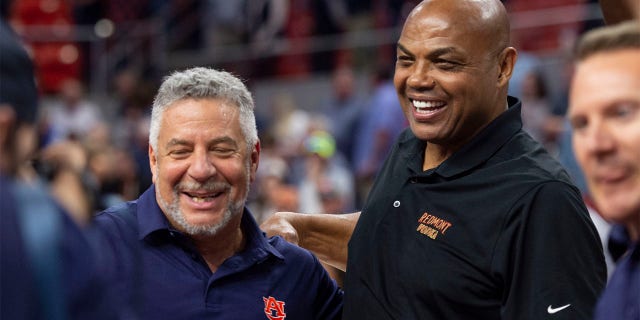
pixel 318 154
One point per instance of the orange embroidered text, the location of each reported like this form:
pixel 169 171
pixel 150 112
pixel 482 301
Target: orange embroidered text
pixel 432 226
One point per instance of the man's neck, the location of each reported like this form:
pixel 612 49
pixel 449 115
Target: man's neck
pixel 434 155
pixel 217 248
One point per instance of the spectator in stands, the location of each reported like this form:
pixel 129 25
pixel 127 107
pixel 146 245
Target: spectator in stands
pixel 130 119
pixel 114 173
pixel 72 116
pixel 289 125
pixel 537 118
pixel 382 121
pixel 327 185
pixel 343 109
pixel 272 191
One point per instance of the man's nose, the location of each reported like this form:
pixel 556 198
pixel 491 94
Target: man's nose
pixel 420 77
pixel 599 139
pixel 201 168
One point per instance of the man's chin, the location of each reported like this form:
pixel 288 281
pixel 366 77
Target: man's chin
pixel 206 224
pixel 203 228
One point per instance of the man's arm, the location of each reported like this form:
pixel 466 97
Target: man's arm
pixel 615 11
pixel 326 235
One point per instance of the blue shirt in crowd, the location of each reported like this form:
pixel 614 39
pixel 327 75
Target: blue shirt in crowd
pixel 158 273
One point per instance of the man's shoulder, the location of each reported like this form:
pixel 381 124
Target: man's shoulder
pixel 527 157
pixel 292 252
pixel 120 212
pixel 119 218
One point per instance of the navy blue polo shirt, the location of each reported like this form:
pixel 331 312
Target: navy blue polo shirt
pixel 497 231
pixel 621 297
pixel 159 274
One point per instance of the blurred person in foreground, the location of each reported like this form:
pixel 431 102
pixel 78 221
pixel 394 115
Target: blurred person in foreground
pixel 188 248
pixel 48 269
pixel 604 112
pixel 469 217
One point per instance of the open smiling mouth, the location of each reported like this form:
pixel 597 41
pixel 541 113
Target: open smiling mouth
pixel 427 107
pixel 203 197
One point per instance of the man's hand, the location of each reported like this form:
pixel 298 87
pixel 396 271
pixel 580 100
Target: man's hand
pixel 279 224
pixel 326 235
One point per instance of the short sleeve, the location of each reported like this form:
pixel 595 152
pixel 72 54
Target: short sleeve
pixel 553 266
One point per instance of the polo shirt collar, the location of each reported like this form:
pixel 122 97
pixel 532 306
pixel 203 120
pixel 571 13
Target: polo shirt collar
pixel 151 220
pixel 256 240
pixel 476 151
pixel 150 216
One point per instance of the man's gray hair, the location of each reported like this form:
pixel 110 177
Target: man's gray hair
pixel 625 35
pixel 204 83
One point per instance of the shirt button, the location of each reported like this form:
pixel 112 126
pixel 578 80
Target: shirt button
pixel 396 204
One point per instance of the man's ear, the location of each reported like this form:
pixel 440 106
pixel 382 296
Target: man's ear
pixel 508 58
pixel 255 160
pixel 153 161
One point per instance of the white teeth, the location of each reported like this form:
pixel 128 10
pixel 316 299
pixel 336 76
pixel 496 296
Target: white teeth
pixel 198 199
pixel 418 104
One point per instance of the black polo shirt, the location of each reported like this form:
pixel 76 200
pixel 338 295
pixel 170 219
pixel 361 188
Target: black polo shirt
pixel 497 231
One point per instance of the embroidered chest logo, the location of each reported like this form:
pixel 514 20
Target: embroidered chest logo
pixel 432 226
pixel 273 308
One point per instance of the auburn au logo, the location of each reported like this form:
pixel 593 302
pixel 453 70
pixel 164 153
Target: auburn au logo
pixel 273 308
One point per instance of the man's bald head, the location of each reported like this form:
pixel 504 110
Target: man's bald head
pixel 486 19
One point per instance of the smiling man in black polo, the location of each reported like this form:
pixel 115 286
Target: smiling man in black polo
pixel 469 218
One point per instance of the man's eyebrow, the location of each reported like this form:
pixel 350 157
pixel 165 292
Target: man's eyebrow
pixel 402 48
pixel 442 51
pixel 435 53
pixel 225 139
pixel 181 142
pixel 176 142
